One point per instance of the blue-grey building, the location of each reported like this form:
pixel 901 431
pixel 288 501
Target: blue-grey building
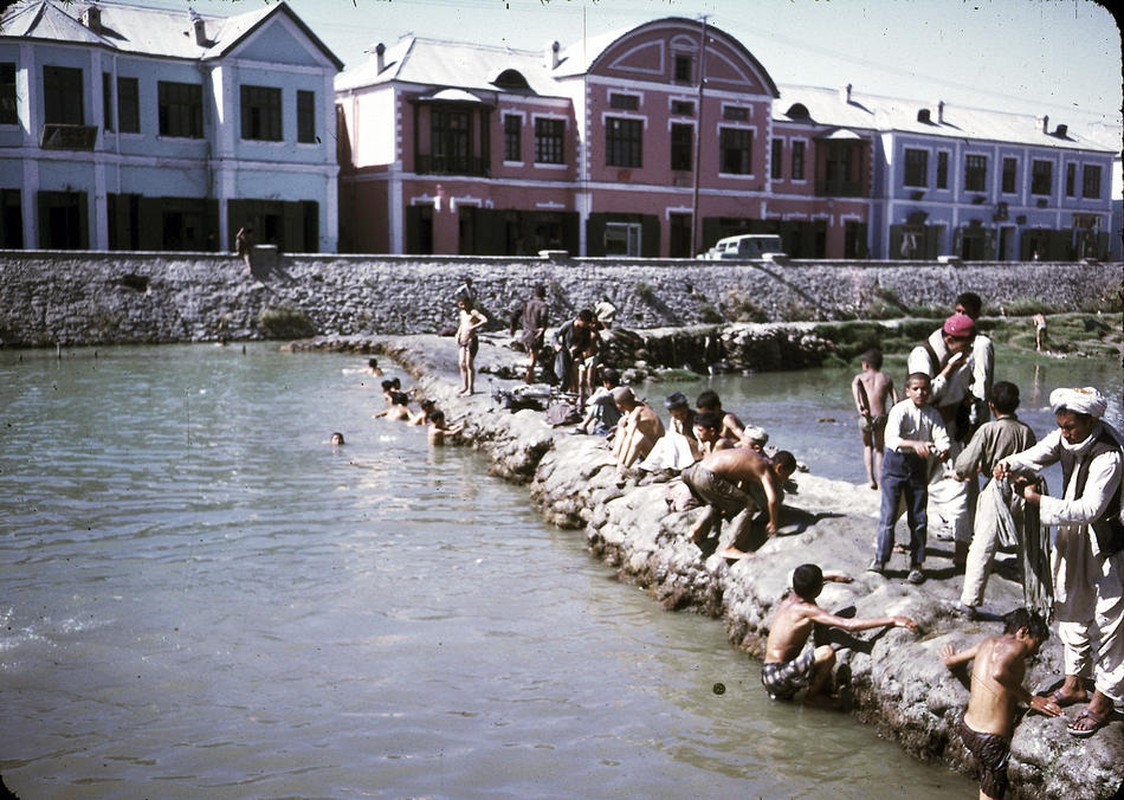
pixel 128 128
pixel 972 183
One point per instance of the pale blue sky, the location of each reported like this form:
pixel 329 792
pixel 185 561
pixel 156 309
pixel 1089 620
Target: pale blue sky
pixel 1058 57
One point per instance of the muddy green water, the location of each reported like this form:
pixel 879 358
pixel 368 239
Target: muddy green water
pixel 200 597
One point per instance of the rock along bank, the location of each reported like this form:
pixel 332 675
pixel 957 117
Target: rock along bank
pixel 892 679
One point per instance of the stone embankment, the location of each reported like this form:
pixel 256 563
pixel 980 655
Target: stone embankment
pixel 50 298
pixel 891 679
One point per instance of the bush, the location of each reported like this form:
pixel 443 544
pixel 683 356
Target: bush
pixel 283 322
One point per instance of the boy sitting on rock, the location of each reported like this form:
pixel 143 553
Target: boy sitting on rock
pixel 789 665
pixel 997 689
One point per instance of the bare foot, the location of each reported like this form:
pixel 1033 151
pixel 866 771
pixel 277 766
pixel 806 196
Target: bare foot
pixel 1067 698
pixel 733 554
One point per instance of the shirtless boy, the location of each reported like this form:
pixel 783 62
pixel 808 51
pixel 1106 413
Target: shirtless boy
pixel 397 401
pixel 789 665
pixel 732 427
pixel 735 480
pixel 708 432
pixel 871 390
pixel 997 689
pixel 439 430
pixel 637 431
pixel 471 320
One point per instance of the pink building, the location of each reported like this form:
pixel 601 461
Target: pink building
pixel 610 147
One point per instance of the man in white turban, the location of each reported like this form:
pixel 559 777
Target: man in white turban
pixel 1088 556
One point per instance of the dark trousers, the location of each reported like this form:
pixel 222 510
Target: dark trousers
pixel 904 474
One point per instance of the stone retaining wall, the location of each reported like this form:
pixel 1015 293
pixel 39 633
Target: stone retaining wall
pixel 889 678
pixel 68 298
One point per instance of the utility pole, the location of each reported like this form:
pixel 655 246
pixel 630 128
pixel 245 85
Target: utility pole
pixel 695 244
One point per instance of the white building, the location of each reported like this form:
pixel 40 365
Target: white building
pixel 127 128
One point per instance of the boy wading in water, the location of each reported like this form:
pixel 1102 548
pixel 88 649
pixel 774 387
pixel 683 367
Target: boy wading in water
pixel 874 394
pixel 997 689
pixel 789 665
pixel 468 342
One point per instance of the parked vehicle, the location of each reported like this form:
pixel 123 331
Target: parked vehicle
pixel 746 245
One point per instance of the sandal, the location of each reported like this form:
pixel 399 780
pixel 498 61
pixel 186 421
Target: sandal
pixel 1062 701
pixel 1084 733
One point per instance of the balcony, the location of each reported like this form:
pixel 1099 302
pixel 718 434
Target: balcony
pixel 451 165
pixel 68 137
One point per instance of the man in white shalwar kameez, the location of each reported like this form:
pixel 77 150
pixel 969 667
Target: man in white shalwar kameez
pixel 1088 557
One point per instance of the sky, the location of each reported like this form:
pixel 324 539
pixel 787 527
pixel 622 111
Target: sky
pixel 1056 57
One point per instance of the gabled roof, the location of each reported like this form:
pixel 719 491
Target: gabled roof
pixel 460 65
pixel 145 31
pixel 847 109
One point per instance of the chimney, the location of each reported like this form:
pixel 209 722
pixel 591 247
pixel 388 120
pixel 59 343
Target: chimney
pixel 940 112
pixel 552 55
pixel 845 93
pixel 91 17
pixel 924 115
pixel 200 26
pixel 1045 123
pixel 1061 131
pixel 380 56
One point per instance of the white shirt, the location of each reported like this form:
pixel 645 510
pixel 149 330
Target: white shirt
pixel 1103 478
pixel 907 420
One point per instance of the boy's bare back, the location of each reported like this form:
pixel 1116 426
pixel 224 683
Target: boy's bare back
pixel 791 628
pixel 879 389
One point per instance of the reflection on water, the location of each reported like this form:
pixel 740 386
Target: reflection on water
pixel 201 597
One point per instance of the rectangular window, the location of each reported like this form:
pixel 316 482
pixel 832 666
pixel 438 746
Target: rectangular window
pixel 128 105
pixel 9 109
pixel 180 107
pixel 107 100
pixel 942 169
pixel 775 166
pixel 682 108
pixel 261 113
pixel 622 239
pixel 682 146
pixel 1010 175
pixel 735 146
pixel 62 96
pixel 624 102
pixel 450 139
pixel 735 113
pixel 306 116
pixel 798 161
pixel 1041 177
pixel 550 138
pixel 975 173
pixel 512 137
pixel 684 68
pixel 623 142
pixel 1070 180
pixel 1091 181
pixel 916 167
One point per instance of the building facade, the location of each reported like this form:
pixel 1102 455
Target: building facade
pixel 660 140
pixel 128 128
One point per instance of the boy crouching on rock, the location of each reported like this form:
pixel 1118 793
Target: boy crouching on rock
pixel 789 665
pixel 997 688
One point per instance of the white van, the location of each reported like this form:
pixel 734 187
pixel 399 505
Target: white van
pixel 747 245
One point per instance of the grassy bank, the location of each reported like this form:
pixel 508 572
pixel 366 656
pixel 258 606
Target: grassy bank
pixel 1071 335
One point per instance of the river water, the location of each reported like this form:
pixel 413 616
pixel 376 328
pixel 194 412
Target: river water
pixel 200 597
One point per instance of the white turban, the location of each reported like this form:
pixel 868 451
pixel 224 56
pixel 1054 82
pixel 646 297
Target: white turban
pixel 1080 401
